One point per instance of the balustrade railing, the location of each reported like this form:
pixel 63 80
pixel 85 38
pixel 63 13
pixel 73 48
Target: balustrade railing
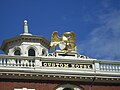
pixel 21 61
pixel 16 61
pixel 109 66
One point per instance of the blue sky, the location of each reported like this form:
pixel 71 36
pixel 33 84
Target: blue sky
pixel 96 23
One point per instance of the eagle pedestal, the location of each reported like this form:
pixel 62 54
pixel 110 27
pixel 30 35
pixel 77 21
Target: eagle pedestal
pixel 72 54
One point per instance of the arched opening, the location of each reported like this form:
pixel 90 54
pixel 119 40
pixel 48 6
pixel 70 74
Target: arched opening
pixel 31 52
pixel 67 89
pixel 17 52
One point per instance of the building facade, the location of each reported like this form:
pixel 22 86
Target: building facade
pixel 28 65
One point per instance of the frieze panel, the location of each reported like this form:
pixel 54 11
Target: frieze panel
pixel 67 65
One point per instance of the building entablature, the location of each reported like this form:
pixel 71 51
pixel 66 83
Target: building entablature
pixel 45 68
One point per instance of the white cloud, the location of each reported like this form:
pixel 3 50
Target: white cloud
pixel 104 41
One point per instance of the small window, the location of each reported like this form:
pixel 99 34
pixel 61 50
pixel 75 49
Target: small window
pixel 44 52
pixel 31 52
pixel 17 52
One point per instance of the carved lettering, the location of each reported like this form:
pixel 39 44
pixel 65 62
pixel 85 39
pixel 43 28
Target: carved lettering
pixel 49 64
pixel 61 65
pixel 45 64
pixel 53 64
pixel 57 64
pixel 66 65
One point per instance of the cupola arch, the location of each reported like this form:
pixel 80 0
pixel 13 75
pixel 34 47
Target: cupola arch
pixel 32 50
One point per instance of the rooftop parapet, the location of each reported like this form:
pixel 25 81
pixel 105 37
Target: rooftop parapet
pixel 52 68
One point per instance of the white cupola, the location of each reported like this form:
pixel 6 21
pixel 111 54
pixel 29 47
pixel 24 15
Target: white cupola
pixel 26 44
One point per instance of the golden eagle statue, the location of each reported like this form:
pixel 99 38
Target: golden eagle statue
pixel 67 42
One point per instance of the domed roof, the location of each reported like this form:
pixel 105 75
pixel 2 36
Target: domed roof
pixel 25 37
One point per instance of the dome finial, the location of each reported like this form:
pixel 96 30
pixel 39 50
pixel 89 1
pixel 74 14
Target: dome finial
pixel 25 26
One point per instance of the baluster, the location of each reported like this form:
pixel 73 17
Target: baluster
pixel 11 62
pixel 26 63
pixel 14 62
pixel 110 67
pixel 17 62
pixel 104 67
pixel 4 62
pixel 0 61
pixel 119 67
pixel 22 63
pixel 8 62
pixel 113 68
pixel 31 63
pixel 101 67
pixel 116 67
pixel 107 67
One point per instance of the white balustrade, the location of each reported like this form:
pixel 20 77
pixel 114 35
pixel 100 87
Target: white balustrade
pixel 16 62
pixel 109 67
pixel 36 62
